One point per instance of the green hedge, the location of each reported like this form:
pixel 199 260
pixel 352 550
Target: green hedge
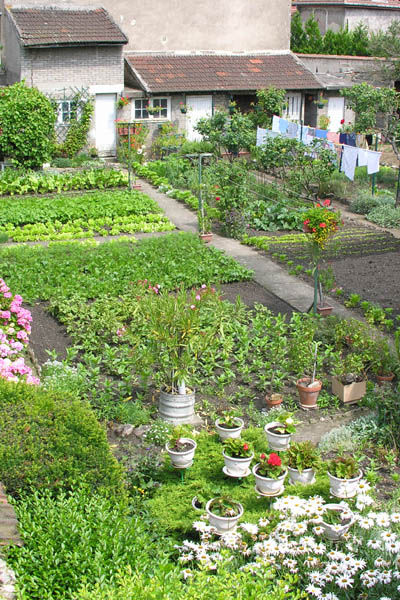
pixel 51 441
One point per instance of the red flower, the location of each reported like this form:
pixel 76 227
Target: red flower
pixel 274 460
pixel 217 198
pixel 342 121
pixel 322 225
pixel 318 205
pixel 326 202
pixel 245 446
pixel 263 456
pixel 314 230
pixel 306 222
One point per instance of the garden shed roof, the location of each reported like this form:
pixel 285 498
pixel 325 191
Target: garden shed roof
pixel 38 27
pixel 190 73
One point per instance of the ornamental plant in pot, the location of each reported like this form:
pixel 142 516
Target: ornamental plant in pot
pixel 344 475
pixel 169 333
pixel 303 459
pixel 238 455
pixel 279 432
pixel 180 449
pixel 224 513
pixel 309 387
pixel 270 474
pixel 349 379
pixel 384 364
pixel 336 521
pixel 229 425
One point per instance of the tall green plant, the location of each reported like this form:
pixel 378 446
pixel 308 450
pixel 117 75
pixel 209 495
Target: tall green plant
pixel 79 128
pixel 27 123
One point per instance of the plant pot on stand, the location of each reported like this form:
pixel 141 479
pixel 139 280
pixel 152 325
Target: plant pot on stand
pixel 268 486
pixel 233 431
pixel 182 458
pixel 224 519
pixel 237 466
pixel 344 488
pixel 276 439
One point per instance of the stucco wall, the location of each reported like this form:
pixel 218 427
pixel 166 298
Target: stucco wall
pixel 190 25
pixel 11 54
pixel 336 17
pixel 54 68
pixel 374 19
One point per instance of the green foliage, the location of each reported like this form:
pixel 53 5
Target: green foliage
pixel 27 123
pixel 307 39
pixel 131 145
pixel 50 440
pixel 385 215
pixel 79 126
pixel 270 101
pixel 168 140
pixel 303 455
pixel 18 183
pixel 230 134
pixel 91 270
pixel 237 448
pixel 343 467
pixel 386 43
pixel 388 418
pixel 78 539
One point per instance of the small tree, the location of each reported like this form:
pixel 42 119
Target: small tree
pixel 27 121
pixel 270 101
pixel 377 111
pixel 226 133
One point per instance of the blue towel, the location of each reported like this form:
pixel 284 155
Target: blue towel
pixel 283 125
pixel 321 133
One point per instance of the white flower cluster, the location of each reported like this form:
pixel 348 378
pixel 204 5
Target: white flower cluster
pixel 366 560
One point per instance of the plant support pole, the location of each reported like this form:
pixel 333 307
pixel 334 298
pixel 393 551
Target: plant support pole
pixel 374 174
pixel 316 278
pixel 129 158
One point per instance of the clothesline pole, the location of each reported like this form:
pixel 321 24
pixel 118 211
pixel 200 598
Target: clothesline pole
pixel 374 174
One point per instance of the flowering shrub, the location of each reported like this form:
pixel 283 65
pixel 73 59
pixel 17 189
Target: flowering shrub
pixel 237 448
pixel 14 334
pixel 321 223
pixel 270 465
pixel 363 564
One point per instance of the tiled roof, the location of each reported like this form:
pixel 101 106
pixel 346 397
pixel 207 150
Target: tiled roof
pixel 55 26
pixel 190 73
pixel 361 3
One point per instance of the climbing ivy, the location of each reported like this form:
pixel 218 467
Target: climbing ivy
pixel 76 138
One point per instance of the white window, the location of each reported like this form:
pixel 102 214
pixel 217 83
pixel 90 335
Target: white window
pixel 293 107
pixel 151 108
pixel 68 110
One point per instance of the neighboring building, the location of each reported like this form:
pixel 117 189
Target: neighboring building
pixel 336 14
pixel 59 50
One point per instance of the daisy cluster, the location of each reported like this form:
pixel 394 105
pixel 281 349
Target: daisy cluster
pixel 15 327
pixel 365 563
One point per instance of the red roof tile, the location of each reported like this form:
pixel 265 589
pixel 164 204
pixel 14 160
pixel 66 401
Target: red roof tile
pixel 54 26
pixel 189 73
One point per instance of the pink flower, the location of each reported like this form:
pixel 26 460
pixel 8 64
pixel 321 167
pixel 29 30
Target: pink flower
pixel 203 286
pixel 192 306
pixel 7 295
pixel 326 202
pixel 322 225
pixel 198 297
pixel 5 314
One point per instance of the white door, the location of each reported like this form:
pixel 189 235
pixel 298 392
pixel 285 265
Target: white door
pixel 293 106
pixel 335 112
pixel 105 114
pixel 198 107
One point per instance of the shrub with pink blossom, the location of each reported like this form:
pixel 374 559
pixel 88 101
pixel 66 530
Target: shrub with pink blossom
pixel 15 328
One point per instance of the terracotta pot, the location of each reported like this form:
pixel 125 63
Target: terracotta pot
pixel 308 395
pixel 325 310
pixel 306 228
pixel 205 237
pixel 382 379
pixel 273 400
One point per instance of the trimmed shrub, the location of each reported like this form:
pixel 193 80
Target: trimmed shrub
pixel 50 440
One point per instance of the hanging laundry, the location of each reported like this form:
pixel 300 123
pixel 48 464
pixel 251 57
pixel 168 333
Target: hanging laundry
pixel 283 125
pixel 373 161
pixel 275 123
pixel 261 135
pixel 311 131
pixel 362 157
pixel 333 137
pixel 361 141
pixel 292 130
pixel 321 133
pixel 304 135
pixel 349 160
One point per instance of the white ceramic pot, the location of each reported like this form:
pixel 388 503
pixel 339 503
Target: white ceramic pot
pixel 344 488
pixel 237 467
pixel 176 408
pixel 182 460
pixel 277 441
pixel 266 485
pixel 225 432
pixel 305 477
pixel 223 524
pixel 336 532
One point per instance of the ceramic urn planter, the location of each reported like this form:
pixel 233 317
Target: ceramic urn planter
pixel 267 486
pixel 182 460
pixel 344 488
pixel 304 477
pixel 335 532
pixel 237 467
pixel 229 432
pixel 223 524
pixel 277 441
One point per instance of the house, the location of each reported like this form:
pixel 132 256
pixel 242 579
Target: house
pixel 336 14
pixel 63 51
pixel 200 54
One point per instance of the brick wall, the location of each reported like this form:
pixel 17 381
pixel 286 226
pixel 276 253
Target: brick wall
pixel 55 68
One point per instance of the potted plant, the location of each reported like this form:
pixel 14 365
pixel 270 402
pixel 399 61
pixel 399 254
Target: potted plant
pixel 303 459
pixel 384 363
pixel 238 455
pixel 309 387
pixel 336 521
pixel 280 432
pixel 229 425
pixel 270 474
pixel 168 335
pixel 344 475
pixel 223 513
pixel 123 101
pixel 204 222
pixel 183 108
pixel 349 379
pixel 321 101
pixel 180 449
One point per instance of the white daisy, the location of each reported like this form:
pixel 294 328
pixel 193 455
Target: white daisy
pixel 314 590
pixel 380 562
pixel 382 519
pixel 374 544
pixel 186 573
pixel 344 581
pixel 263 522
pixel 250 528
pixel 385 576
pixel 392 547
pixel 318 530
pixel 395 517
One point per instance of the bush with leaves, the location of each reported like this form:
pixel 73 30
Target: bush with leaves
pixel 270 101
pixel 27 121
pixel 228 134
pixel 79 128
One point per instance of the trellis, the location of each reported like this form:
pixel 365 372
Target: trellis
pixel 79 96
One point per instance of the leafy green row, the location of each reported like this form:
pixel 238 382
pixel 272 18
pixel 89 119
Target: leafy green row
pixel 64 208
pixel 13 182
pixel 90 269
pixel 82 228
